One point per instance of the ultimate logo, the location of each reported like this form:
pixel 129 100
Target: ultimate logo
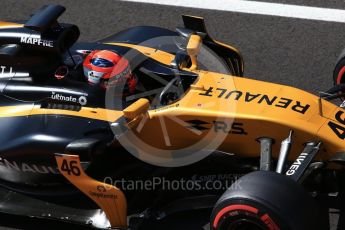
pixel 82 100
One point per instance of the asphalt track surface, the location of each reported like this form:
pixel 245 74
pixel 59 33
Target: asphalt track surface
pixel 296 52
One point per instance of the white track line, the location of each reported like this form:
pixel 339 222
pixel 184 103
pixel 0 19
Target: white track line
pixel 255 7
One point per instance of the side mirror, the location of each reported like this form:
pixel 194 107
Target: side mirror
pixel 136 109
pixel 193 49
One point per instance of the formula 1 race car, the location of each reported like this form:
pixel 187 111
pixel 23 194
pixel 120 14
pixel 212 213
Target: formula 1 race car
pixel 164 152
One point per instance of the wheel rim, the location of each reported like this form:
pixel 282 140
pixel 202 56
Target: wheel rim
pixel 243 217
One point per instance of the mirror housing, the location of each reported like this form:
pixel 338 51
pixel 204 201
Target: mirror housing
pixel 193 49
pixel 136 109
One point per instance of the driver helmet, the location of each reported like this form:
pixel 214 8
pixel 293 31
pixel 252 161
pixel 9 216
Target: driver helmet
pixel 102 65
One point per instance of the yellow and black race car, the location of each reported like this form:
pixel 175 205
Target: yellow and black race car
pixel 162 153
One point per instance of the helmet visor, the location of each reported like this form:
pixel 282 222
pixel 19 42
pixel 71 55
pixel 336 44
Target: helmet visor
pixel 101 62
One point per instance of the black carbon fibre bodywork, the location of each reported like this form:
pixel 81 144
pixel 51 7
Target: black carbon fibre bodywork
pixel 28 148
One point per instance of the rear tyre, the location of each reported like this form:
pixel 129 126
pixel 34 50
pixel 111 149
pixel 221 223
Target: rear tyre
pixel 266 200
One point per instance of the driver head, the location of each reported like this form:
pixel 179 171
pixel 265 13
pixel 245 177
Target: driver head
pixel 102 65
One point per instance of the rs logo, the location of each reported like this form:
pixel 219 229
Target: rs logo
pixel 336 128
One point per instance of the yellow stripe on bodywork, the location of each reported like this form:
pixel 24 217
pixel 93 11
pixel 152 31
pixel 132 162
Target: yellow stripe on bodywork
pixel 5 25
pixel 157 55
pixel 85 112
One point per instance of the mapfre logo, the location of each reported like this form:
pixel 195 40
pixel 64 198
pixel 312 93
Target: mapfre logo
pixel 36 41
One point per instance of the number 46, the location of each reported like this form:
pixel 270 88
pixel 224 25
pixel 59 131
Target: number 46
pixel 70 168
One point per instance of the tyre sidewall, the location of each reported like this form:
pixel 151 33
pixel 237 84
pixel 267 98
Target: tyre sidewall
pixel 282 199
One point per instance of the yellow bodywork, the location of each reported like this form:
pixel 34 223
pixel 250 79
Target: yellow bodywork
pixel 263 109
pixel 5 25
pixel 259 109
